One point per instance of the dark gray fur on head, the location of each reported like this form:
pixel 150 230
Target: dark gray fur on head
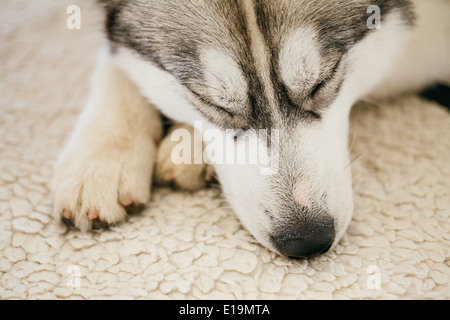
pixel 170 34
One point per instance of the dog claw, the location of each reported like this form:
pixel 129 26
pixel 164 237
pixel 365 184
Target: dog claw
pixel 93 214
pixel 130 205
pixel 127 201
pixel 67 214
pixel 169 176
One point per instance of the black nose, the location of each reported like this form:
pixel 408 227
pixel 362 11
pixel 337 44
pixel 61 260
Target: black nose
pixel 307 240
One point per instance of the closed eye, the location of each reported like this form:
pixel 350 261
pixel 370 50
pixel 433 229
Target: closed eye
pixel 210 104
pixel 322 84
pixel 316 89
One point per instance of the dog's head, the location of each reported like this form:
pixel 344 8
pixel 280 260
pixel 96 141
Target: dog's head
pixel 286 69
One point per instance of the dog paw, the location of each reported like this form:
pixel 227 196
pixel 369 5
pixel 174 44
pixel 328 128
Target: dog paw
pixel 185 176
pixel 97 190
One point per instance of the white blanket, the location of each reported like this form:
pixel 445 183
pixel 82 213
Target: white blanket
pixel 191 245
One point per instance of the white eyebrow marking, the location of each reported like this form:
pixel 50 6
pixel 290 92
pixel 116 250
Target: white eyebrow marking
pixel 226 84
pixel 300 60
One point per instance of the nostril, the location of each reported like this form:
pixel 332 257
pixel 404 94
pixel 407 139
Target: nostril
pixel 306 244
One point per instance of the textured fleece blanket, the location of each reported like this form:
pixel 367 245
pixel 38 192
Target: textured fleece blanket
pixel 191 245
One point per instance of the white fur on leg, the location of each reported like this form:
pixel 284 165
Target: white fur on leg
pixel 108 162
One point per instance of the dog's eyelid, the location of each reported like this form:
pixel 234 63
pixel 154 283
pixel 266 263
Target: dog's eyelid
pixel 327 79
pixel 209 103
pixel 318 86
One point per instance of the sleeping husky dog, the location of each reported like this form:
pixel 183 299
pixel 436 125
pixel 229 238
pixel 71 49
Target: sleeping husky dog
pixel 291 67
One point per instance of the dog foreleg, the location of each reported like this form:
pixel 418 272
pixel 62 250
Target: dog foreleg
pixel 107 166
